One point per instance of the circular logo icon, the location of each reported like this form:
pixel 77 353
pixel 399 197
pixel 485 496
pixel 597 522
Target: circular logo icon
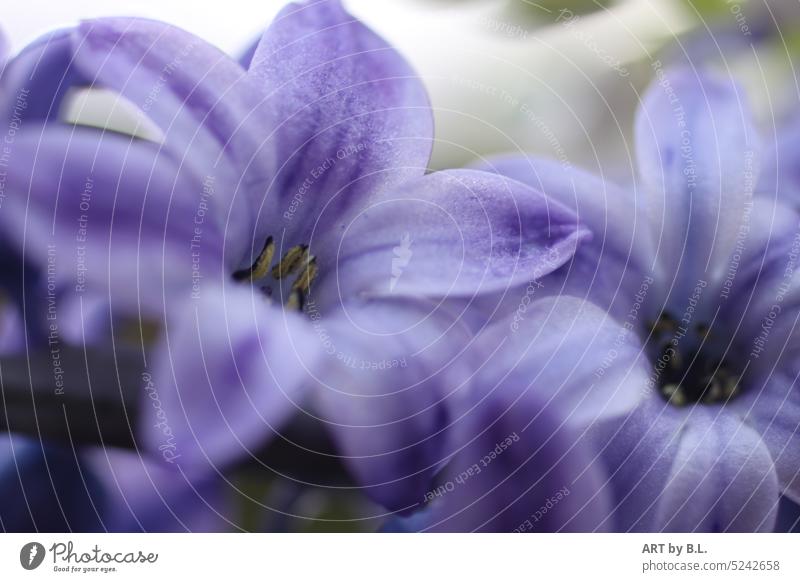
pixel 31 555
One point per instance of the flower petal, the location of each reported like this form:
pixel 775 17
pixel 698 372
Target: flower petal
pixel 572 353
pixel 761 291
pixel 521 462
pixel 688 470
pixel 610 211
pixel 522 468
pixel 229 372
pixel 772 407
pixel 246 56
pixel 382 390
pixel 352 117
pixel 201 99
pixel 112 215
pixel 722 479
pixel 613 265
pixel 763 250
pixel 780 172
pixel 453 234
pixel 143 496
pixel 698 154
pixel 36 81
pixel 638 454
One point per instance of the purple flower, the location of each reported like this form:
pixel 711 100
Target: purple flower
pixel 522 462
pixel 278 227
pixel 703 274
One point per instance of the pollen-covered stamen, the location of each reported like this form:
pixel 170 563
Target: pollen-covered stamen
pixel 297 259
pixel 291 261
pixel 260 267
pixel 304 279
pixel 704 381
pixel 686 366
pixel 301 285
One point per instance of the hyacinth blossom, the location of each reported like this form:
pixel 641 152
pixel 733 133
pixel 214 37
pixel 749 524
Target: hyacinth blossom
pixel 46 487
pixel 702 273
pixel 522 462
pixel 277 226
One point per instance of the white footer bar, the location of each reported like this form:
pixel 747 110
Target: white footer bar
pixel 388 557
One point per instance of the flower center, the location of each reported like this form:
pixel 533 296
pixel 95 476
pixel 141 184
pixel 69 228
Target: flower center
pixel 688 369
pixel 296 260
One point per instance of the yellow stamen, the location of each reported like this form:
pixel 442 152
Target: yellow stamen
pixel 290 262
pixel 303 281
pixel 261 267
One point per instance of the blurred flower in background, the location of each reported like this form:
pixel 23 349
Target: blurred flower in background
pixel 505 75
